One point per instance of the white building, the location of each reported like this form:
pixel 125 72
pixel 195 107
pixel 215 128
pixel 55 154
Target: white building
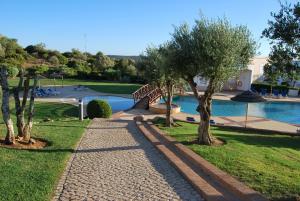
pixel 243 82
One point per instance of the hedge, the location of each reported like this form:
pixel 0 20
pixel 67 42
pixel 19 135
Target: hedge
pixel 98 109
pixel 259 86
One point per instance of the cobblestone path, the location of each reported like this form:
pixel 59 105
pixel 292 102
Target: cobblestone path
pixel 114 161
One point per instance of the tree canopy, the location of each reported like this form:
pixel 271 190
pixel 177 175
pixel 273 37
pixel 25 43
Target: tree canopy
pixel 216 51
pixel 284 35
pixel 73 63
pixel 11 53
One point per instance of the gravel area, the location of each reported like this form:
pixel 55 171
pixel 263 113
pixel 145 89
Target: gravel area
pixel 114 161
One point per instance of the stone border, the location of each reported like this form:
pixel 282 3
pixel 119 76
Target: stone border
pixel 239 189
pixel 117 114
pixel 62 179
pixel 154 108
pixel 208 192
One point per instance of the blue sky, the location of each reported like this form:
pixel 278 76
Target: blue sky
pixel 124 27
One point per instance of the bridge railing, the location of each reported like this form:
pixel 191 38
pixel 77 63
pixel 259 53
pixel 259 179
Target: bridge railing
pixel 154 95
pixel 142 92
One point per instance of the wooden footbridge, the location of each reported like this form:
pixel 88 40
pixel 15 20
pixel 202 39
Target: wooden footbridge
pixel 145 96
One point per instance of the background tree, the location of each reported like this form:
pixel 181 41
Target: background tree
pixel 284 35
pixel 102 62
pixel 81 64
pixel 275 68
pixel 216 51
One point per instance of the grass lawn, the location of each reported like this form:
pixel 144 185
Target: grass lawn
pixel 105 87
pixel 268 163
pixel 32 174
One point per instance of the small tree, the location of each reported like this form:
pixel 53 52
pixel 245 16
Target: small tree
pixel 11 54
pixel 24 128
pixel 215 51
pixel 271 74
pixel 275 67
pixel 160 72
pixel 20 108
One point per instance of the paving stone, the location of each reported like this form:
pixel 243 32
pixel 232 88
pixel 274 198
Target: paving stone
pixel 114 161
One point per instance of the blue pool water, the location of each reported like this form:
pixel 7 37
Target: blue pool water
pixel 117 103
pixel 280 111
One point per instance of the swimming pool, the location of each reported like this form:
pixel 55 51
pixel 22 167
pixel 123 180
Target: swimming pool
pixel 280 111
pixel 117 103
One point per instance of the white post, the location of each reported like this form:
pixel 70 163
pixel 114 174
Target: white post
pixel 80 105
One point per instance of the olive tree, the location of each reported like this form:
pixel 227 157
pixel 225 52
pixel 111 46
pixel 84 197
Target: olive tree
pixel 24 128
pixel 216 51
pixel 11 54
pixel 160 72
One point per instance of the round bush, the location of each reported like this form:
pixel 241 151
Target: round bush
pixel 98 109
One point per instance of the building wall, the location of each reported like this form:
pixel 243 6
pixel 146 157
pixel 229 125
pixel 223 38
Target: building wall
pixel 257 67
pixel 244 80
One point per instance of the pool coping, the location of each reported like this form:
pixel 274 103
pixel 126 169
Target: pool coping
pixel 248 128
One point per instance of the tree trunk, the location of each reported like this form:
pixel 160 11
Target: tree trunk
pixel 28 126
pixel 294 83
pixel 271 89
pixel 204 108
pixel 205 136
pixel 20 108
pixel 10 138
pixel 169 119
pixel 24 101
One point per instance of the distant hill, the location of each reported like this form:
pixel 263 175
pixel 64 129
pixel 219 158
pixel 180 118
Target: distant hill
pixel 136 58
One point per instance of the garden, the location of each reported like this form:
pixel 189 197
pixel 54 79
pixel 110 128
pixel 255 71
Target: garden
pixel 33 174
pixel 215 50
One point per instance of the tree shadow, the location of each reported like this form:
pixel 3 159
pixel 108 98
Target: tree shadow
pixel 259 139
pixel 64 126
pixel 51 150
pixel 114 88
pixel 71 112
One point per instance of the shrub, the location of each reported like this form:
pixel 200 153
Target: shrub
pixel 98 109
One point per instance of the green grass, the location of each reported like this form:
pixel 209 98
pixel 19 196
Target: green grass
pixel 105 87
pixel 268 163
pixel 32 174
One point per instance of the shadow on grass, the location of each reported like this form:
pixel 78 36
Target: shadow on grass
pixel 258 138
pixel 71 112
pixel 287 199
pixel 114 88
pixel 249 138
pixel 64 126
pixel 243 136
pixel 49 150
